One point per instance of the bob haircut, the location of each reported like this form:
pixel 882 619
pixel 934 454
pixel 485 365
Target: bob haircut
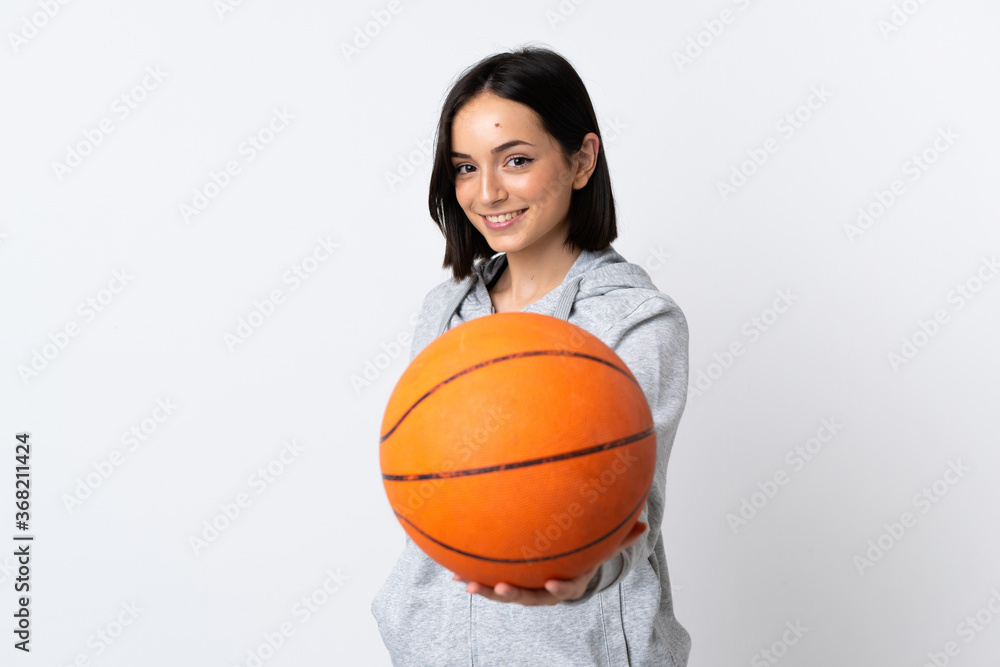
pixel 546 82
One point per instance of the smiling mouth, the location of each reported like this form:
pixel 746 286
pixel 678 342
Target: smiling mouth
pixel 503 217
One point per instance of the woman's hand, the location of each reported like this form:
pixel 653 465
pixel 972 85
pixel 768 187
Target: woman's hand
pixel 556 590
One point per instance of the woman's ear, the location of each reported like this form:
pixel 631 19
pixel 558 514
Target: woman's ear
pixel 586 160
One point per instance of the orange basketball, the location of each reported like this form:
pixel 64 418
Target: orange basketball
pixel 517 447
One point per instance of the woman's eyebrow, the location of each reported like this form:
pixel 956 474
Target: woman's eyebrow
pixel 501 147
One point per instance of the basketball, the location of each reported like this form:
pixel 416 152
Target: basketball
pixel 517 447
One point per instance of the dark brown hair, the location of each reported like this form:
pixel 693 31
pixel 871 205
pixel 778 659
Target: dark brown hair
pixel 547 83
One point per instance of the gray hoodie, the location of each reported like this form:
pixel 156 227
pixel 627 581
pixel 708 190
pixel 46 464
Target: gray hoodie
pixel 627 615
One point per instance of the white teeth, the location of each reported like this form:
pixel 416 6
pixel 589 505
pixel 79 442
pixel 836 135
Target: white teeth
pixel 504 218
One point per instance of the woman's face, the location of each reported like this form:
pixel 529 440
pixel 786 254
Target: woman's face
pixel 506 163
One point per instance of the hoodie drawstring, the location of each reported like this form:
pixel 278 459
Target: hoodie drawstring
pixel 567 298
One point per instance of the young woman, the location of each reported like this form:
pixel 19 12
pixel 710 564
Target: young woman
pixel 520 182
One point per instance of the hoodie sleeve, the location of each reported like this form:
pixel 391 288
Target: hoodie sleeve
pixel 424 331
pixel 652 340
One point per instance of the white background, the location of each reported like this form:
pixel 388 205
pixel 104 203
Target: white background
pixel 673 131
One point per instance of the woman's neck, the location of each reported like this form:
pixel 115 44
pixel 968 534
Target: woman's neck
pixel 530 275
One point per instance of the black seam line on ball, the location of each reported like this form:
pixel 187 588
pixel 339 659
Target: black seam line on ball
pixel 621 442
pixel 529 560
pixel 506 357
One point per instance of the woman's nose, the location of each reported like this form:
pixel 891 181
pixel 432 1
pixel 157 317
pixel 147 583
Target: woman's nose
pixel 491 188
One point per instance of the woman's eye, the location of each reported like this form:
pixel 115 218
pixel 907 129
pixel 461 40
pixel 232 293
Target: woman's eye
pixel 458 169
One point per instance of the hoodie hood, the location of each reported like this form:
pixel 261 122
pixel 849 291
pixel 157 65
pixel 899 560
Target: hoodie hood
pixel 594 273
